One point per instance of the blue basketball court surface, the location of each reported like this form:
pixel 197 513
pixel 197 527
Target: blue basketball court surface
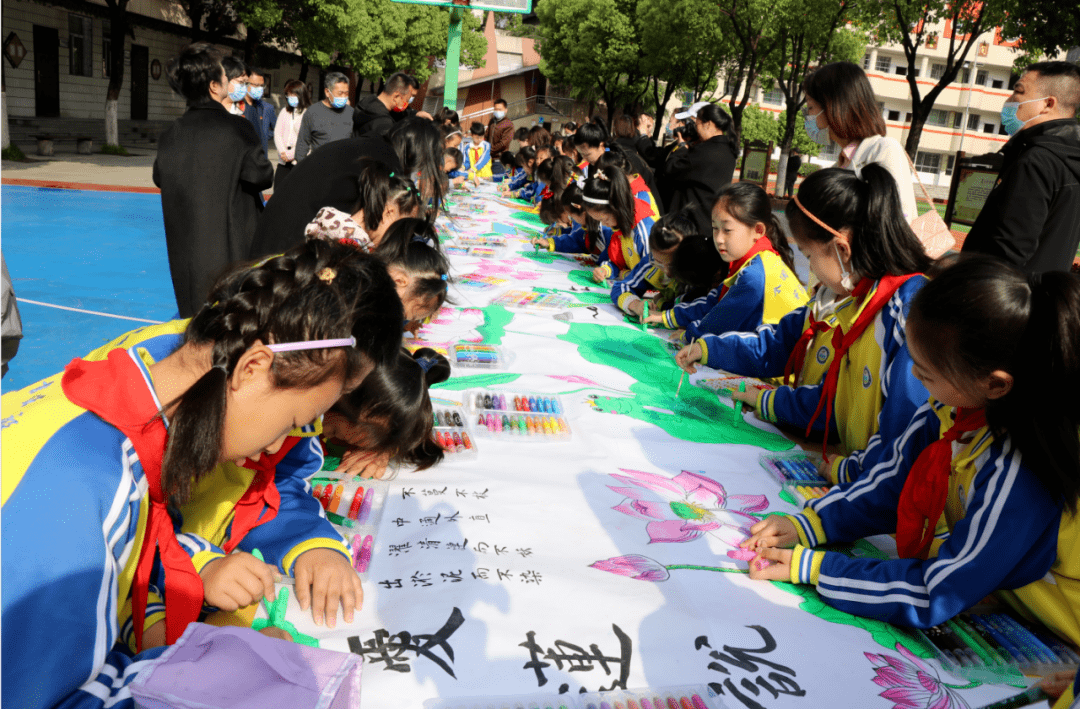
pixel 86 266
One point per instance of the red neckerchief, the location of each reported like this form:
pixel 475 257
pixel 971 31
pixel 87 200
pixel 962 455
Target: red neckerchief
pixel 261 501
pixel 642 210
pixel 638 185
pixel 926 489
pixel 794 365
pixel 762 244
pixel 115 390
pixel 842 342
pixel 546 193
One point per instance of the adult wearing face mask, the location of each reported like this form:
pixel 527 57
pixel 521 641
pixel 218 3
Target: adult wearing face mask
pixel 328 120
pixel 695 173
pixel 376 115
pixel 259 111
pixel 211 170
pixel 236 74
pixel 1032 216
pixel 500 133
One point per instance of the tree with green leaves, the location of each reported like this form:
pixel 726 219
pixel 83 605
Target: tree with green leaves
pixel 594 46
pixel 751 26
pixel 811 33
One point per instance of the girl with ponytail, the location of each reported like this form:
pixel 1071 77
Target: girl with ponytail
pixel 761 285
pixel 610 202
pixel 192 427
pixel 848 345
pixel 417 266
pixel 986 455
pixel 584 235
pixel 389 416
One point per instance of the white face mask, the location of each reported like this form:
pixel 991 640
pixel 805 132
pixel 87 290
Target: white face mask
pixel 845 275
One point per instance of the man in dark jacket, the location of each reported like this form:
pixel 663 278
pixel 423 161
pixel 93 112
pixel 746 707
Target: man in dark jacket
pixel 326 179
pixel 211 169
pixel 257 109
pixel 696 173
pixel 500 132
pixel 1032 216
pixel 373 115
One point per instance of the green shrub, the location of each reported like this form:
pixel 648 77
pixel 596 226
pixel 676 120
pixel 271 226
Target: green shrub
pixel 12 152
pixel 109 149
pixel 808 168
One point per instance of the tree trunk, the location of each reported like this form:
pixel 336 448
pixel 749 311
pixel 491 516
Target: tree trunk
pixel 5 136
pixel 303 70
pixel 790 117
pixel 252 38
pixel 911 145
pixel 118 38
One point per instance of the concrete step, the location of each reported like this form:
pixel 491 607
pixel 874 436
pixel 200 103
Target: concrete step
pixel 131 132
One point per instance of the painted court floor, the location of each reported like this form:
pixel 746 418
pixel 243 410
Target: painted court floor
pixel 84 249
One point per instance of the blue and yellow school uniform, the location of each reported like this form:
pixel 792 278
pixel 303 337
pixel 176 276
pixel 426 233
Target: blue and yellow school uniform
pixel 477 161
pixel 876 393
pixel 300 523
pixel 518 179
pixel 75 508
pixel 640 273
pixel 762 289
pixel 572 240
pixel 527 191
pixel 1006 534
pixel 1071 698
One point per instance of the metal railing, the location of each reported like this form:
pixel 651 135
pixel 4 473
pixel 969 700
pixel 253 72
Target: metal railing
pixel 554 107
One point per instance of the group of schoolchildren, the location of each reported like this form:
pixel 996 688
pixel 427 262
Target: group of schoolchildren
pixel 172 454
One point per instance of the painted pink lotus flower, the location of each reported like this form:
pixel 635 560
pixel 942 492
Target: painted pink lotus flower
pixel 910 683
pixel 685 507
pixel 635 566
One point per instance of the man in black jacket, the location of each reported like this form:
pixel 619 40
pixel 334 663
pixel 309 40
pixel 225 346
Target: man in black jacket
pixel 211 168
pixel 1032 216
pixel 373 117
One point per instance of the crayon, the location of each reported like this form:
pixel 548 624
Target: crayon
pixel 365 553
pixel 365 508
pixel 335 500
pixel 976 640
pixel 631 704
pixel 457 420
pixel 465 441
pixel 458 444
pixel 1030 639
pixel 698 702
pixel 325 499
pixel 356 545
pixel 685 703
pixel 672 704
pixel 645 704
pixel 357 500
pixel 1009 652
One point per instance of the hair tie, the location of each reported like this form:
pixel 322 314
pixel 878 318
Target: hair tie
pixel 391 174
pixel 601 176
pixel 820 223
pixel 592 200
pixel 327 275
pixel 445 276
pixel 423 239
pixel 580 182
pixel 426 363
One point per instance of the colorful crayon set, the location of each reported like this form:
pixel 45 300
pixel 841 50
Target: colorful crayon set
pixel 985 647
pixel 475 355
pixel 491 240
pixel 349 504
pixel 483 251
pixel 518 414
pixel 451 431
pixel 727 384
pixel 479 282
pixel 798 473
pixel 688 697
pixel 533 300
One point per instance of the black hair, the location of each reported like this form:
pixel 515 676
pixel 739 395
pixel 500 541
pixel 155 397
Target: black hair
pixel 881 240
pixel 570 127
pixel 419 146
pixel 981 315
pixel 448 130
pixel 525 156
pixel 551 208
pixel 612 189
pixel 303 95
pixel 697 263
pixel 614 157
pixel 844 93
pixel 400 83
pixel 1062 81
pixel 573 201
pixel 521 134
pixel 413 246
pixel 502 101
pixel 591 134
pixel 192 71
pixel 394 409
pixel 287 298
pixel 378 187
pixel 624 127
pixel 750 205
pixel 477 128
pixel 569 150
pixel 508 159
pixel 446 115
pixel 669 231
pixel 555 172
pixel 234 67
pixel 712 113
pixel 455 155
pixel 257 72
pixel 539 137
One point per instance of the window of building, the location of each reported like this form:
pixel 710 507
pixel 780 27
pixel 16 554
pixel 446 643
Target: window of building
pixel 883 63
pixel 981 77
pixel 80 45
pixel 907 117
pixel 937 71
pixel 901 70
pixel 932 40
pixel 973 122
pixel 938 117
pixel 965 76
pixel 106 48
pixel 1002 131
pixel 928 162
pixel 730 86
pixel 866 61
pixel 997 84
pixel 989 128
pixel 773 96
pixel 894 115
pixel 832 150
pixel 956 120
pixel 950 162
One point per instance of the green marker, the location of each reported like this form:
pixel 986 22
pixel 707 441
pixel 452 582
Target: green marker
pixel 644 315
pixel 258 555
pixel 737 415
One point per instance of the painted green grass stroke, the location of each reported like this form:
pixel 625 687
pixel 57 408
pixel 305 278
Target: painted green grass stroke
pixel 699 417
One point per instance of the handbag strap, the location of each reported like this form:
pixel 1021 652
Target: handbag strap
pixel 915 172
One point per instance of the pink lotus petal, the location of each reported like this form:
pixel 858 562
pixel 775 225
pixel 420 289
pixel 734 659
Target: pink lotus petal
pixel 893 677
pixel 904 698
pixel 897 663
pixel 573 378
pixel 700 489
pixel 633 493
pixel 749 503
pixel 930 684
pixel 945 701
pixel 655 510
pixel 627 508
pixel 635 566
pixel 650 481
pixel 676 530
pixel 875 659
pixel 742 554
pixel 915 660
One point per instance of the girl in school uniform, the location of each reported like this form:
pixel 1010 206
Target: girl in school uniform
pixel 522 181
pixel 384 197
pixel 688 259
pixel 477 164
pixel 860 247
pixel 985 454
pixel 761 285
pixel 389 417
pixel 582 235
pixel 87 457
pixel 609 201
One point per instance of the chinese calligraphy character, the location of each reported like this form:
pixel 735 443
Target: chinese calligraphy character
pixel 531 577
pixel 407 493
pixel 396 583
pixel 778 681
pixel 399 549
pixel 452 576
pixel 577 659
pixel 391 649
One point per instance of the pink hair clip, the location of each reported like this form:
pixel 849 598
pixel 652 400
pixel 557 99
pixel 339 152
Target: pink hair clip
pixel 312 344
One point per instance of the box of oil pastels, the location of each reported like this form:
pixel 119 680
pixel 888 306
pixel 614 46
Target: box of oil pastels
pixel 354 507
pixel 682 697
pixel 531 416
pixel 452 431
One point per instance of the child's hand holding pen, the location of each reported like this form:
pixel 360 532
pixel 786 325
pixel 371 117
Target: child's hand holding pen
pixel 748 397
pixel 688 357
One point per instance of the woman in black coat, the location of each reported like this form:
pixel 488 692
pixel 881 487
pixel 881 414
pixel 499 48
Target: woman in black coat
pixel 211 168
pixel 695 174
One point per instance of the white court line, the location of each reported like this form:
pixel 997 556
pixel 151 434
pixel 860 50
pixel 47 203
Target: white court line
pixel 88 312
